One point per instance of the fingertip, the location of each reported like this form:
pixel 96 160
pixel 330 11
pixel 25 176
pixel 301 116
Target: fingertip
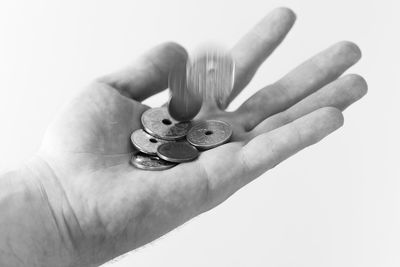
pixel 280 19
pixel 333 116
pixel 351 49
pixel 319 124
pixel 287 13
pixel 359 84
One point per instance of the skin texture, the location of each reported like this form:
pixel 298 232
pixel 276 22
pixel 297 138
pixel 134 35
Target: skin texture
pixel 96 206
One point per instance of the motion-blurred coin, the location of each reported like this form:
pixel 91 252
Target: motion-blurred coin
pixel 177 152
pixel 184 103
pixel 158 122
pixel 210 72
pixel 152 163
pixel 209 134
pixel 146 143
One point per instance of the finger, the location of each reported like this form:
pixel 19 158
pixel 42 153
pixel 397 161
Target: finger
pixel 269 149
pixel 149 74
pixel 339 94
pixel 316 72
pixel 258 44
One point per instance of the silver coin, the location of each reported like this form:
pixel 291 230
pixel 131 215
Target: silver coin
pixel 177 152
pixel 184 103
pixel 145 142
pixel 152 163
pixel 209 134
pixel 210 72
pixel 158 122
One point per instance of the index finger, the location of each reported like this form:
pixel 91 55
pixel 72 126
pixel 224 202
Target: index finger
pixel 251 51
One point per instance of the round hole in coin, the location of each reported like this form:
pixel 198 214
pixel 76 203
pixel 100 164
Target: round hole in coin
pixel 152 122
pixel 208 132
pixel 145 142
pixel 198 137
pixel 166 122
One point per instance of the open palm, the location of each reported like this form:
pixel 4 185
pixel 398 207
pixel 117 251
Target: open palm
pixel 105 207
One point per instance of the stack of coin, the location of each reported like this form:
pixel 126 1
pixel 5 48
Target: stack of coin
pixel 164 142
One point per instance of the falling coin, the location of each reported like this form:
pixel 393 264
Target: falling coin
pixel 184 103
pixel 146 143
pixel 210 73
pixel 177 152
pixel 158 122
pixel 209 134
pixel 151 163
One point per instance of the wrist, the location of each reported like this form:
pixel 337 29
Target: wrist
pixel 33 230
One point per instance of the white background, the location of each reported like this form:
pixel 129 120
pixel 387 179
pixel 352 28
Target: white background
pixel 335 204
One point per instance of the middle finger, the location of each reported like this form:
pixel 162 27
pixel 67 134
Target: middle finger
pixel 310 76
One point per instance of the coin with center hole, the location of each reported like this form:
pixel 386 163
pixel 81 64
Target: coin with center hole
pixel 209 134
pixel 177 152
pixel 158 122
pixel 148 162
pixel 146 143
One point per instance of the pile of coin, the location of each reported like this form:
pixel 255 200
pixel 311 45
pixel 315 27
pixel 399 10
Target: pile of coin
pixel 164 142
pixel 169 137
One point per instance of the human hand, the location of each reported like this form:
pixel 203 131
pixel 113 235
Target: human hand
pixel 104 207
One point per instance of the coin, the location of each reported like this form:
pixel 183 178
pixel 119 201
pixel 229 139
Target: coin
pixel 209 134
pixel 152 163
pixel 177 152
pixel 184 103
pixel 210 72
pixel 158 122
pixel 146 143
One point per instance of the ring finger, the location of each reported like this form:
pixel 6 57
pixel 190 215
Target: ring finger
pixel 339 94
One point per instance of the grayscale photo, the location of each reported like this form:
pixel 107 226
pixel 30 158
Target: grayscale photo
pixel 199 133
